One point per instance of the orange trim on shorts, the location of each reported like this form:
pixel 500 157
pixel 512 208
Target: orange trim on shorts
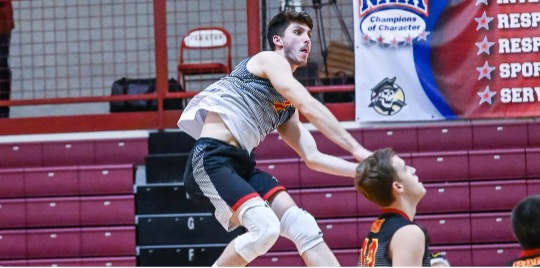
pixel 243 200
pixel 273 191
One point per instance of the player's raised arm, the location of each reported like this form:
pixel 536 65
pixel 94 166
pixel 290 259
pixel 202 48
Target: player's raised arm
pixel 278 70
pixel 295 134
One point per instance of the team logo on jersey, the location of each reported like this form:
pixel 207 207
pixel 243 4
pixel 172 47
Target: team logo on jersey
pixel 281 106
pixel 387 97
pixel 376 226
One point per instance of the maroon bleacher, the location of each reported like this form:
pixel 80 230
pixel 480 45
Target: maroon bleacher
pixel 334 229
pixel 445 198
pixel 12 213
pixel 107 210
pixel 130 261
pixel 13 244
pixel 533 186
pixel 496 164
pixel 494 254
pixel 497 195
pixel 120 151
pixel 73 152
pixel 62 153
pixel 330 202
pixel 53 211
pixel 51 181
pixel 533 162
pixel 401 139
pixel 348 257
pixel 285 170
pixel 491 227
pixel 22 154
pixel 441 166
pixel 69 202
pixel 11 182
pixel 279 259
pixel 447 228
pixel 273 147
pixel 533 133
pixel 108 241
pixel 77 262
pixel 445 137
pixel 496 135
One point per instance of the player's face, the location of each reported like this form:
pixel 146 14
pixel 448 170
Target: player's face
pixel 297 43
pixel 408 177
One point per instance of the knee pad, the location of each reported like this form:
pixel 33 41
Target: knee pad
pixel 300 227
pixel 263 231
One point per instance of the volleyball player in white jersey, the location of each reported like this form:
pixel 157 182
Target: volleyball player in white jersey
pixel 232 116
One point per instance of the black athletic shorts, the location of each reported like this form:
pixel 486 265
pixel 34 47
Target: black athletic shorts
pixel 221 177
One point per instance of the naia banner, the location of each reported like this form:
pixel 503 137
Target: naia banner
pixel 446 59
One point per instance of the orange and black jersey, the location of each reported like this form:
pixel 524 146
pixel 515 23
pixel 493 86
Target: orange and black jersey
pixel 376 245
pixel 527 258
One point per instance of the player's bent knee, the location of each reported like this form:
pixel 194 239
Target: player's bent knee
pixel 300 227
pixel 263 231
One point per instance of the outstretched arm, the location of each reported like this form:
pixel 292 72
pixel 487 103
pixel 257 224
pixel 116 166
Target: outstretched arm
pixel 300 139
pixel 276 68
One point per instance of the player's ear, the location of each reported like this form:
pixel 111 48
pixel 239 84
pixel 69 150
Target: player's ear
pixel 277 41
pixel 397 187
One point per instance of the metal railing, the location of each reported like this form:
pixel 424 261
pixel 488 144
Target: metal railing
pixel 66 54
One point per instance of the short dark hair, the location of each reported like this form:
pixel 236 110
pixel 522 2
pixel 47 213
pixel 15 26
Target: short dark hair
pixel 526 222
pixel 375 176
pixel 281 21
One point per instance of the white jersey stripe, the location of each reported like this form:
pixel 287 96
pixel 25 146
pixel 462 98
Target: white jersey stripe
pixel 249 105
pixel 223 212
